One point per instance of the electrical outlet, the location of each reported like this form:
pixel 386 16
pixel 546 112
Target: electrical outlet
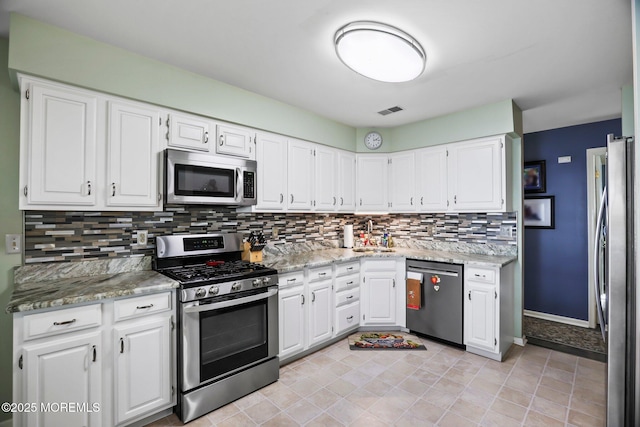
pixel 13 243
pixel 506 231
pixel 274 232
pixel 142 237
pixel 321 230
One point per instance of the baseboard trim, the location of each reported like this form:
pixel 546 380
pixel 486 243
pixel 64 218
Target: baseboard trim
pixel 559 319
pixel 6 423
pixel 520 341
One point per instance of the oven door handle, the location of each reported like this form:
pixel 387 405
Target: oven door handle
pixel 231 303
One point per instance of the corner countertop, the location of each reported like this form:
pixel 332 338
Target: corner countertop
pixel 55 290
pixel 293 262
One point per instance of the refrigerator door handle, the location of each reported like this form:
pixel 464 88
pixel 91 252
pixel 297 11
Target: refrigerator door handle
pixel 596 263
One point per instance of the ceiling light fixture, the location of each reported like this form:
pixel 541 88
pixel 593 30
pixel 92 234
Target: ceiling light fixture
pixel 380 52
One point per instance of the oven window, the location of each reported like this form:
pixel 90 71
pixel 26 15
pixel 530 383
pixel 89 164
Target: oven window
pixel 204 181
pixel 231 338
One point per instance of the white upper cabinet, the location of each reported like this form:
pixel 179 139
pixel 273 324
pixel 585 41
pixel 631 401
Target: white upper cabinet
pixel 235 141
pixel 371 183
pixel 133 144
pixel 346 181
pixel 402 183
pixel 326 178
pixel 431 173
pixel 188 131
pixel 271 156
pixel 300 175
pixel 477 178
pixel 59 146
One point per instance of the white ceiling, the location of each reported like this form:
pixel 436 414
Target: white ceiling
pixel 563 62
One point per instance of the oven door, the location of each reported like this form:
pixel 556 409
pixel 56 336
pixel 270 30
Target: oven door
pixel 194 178
pixel 220 338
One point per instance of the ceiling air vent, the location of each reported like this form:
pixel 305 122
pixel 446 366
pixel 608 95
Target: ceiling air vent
pixel 390 110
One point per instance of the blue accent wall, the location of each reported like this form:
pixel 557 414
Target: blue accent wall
pixel 556 266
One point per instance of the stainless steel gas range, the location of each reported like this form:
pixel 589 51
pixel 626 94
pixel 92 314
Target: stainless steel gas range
pixel 227 320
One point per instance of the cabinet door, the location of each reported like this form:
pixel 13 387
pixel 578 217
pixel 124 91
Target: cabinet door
pixel 133 145
pixel 480 315
pixel 189 132
pixel 61 147
pixel 300 175
pixel 378 297
pixel 477 175
pixel 325 180
pixel 271 157
pixel 68 369
pixel 142 351
pixel 371 183
pixel 235 141
pixel 431 172
pixel 346 181
pixel 402 188
pixel 320 312
pixel 292 324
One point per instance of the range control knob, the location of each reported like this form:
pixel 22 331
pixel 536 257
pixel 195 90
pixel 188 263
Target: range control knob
pixel 266 280
pixel 200 293
pixel 214 290
pixel 256 283
pixel 236 286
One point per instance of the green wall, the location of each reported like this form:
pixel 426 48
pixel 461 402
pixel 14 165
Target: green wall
pixel 10 216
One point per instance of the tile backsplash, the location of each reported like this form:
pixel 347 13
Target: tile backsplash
pixel 52 236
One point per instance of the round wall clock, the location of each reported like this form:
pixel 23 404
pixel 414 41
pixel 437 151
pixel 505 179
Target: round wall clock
pixel 373 140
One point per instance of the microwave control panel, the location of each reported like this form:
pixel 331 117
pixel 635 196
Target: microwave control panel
pixel 249 184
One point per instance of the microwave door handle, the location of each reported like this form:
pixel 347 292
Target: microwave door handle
pixel 238 184
pixel 231 303
pixel 596 262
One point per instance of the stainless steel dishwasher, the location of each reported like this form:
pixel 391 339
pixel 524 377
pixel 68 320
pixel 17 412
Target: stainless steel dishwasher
pixel 440 309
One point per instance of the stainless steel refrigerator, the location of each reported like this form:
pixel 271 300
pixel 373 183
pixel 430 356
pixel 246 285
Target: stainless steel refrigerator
pixel 616 284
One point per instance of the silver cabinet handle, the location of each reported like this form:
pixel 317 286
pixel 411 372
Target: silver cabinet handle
pixel 341 201
pixel 292 198
pixel 394 283
pixel 302 299
pixel 360 202
pixel 412 201
pixel 206 137
pixel 421 201
pixel 349 297
pixel 334 200
pixel 322 274
pixel 95 355
pixel 121 345
pixel 66 322
pixel 350 318
pixel 221 139
pixel 88 188
pixel 349 268
pixel 469 295
pixel 281 198
pixel 350 283
pixel 143 307
pixel 455 199
pixel 313 297
pixel 291 280
pixel 113 189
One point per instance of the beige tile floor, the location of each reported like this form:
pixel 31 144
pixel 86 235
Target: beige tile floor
pixel 442 386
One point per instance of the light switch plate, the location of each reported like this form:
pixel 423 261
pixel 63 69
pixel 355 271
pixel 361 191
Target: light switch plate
pixel 13 243
pixel 564 159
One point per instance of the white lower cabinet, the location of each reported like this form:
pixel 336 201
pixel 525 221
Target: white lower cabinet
pixel 113 373
pixel 382 292
pixel 291 318
pixel 320 312
pixel 488 310
pixel 67 369
pixel 142 367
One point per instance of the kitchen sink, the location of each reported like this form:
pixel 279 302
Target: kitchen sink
pixel 372 249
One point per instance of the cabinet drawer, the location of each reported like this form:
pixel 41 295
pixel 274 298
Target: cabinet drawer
pixel 380 265
pixel 347 268
pixel 347 317
pixel 141 306
pixel 320 273
pixel 348 296
pixel 481 275
pixel 61 321
pixel 347 282
pixel 291 279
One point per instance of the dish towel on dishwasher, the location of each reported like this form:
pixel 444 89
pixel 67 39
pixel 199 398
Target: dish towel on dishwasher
pixel 414 290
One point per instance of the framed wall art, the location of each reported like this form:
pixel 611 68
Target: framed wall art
pixel 534 177
pixel 539 212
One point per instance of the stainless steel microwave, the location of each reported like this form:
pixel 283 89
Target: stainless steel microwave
pixel 205 179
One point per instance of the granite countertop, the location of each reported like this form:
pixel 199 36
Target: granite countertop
pixel 292 262
pixel 65 284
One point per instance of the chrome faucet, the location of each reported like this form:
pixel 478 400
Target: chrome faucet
pixel 369 232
